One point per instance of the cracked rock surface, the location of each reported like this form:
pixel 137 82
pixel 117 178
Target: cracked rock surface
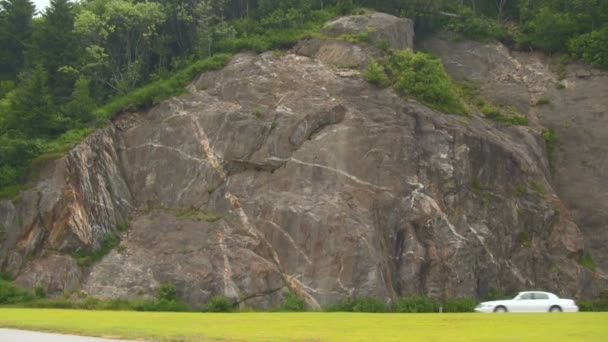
pixel 280 173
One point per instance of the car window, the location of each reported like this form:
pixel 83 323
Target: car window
pixel 541 296
pixel 525 296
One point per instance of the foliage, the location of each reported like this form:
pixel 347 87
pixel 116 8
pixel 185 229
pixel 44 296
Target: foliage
pixel 219 303
pixel 12 294
pixel 364 304
pixel 375 74
pixel 155 92
pixel 416 304
pixel 40 291
pixel 89 257
pixel 459 305
pixel 476 26
pixel 167 292
pixel 423 76
pixel 598 304
pixel 549 30
pixel 369 305
pixel 587 261
pixel 292 302
pixel 591 47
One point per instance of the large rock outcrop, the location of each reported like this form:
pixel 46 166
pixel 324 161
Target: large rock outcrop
pixel 282 173
pixel 577 110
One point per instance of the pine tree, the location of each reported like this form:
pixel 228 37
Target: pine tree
pixel 15 32
pixel 31 109
pixel 54 45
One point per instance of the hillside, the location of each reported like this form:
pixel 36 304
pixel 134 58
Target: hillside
pixel 288 172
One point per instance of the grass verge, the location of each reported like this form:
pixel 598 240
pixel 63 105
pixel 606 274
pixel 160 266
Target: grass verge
pixel 317 326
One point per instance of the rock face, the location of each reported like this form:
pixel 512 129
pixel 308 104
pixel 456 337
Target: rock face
pixel 280 173
pixel 379 27
pixel 577 111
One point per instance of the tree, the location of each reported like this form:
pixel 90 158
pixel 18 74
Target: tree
pixel 81 105
pixel 55 45
pixel 31 110
pixel 15 33
pixel 119 36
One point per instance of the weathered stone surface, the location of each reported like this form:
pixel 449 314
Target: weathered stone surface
pixel 337 53
pixel 54 272
pixel 278 174
pixel 577 111
pixel 397 32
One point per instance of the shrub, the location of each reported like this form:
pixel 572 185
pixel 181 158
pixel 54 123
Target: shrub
pixel 345 305
pixel 167 292
pixel 40 291
pixel 476 27
pixel 12 294
pixel 423 76
pixel 369 305
pixel 459 305
pixel 6 276
pixel 587 261
pixel 416 304
pixel 292 303
pixel 549 30
pixel 598 304
pixel 375 74
pixel 591 47
pixel 219 304
pixel 157 91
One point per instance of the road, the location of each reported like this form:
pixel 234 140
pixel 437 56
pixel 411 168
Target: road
pixel 10 335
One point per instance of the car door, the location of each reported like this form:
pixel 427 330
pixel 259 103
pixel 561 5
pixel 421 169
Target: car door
pixel 540 302
pixel 522 303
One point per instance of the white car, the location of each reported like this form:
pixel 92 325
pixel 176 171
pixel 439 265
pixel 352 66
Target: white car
pixel 530 301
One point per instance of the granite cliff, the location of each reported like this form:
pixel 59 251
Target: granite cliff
pixel 286 172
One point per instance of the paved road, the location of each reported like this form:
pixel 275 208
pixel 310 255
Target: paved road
pixel 10 335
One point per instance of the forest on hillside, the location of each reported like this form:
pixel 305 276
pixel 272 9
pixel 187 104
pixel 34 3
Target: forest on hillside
pixel 67 69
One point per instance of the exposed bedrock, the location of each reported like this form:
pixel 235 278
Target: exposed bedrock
pixel 281 173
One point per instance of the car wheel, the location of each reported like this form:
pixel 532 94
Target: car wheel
pixel 555 309
pixel 500 309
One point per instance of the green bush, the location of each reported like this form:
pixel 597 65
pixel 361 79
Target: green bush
pixel 592 47
pixel 423 76
pixel 375 74
pixel 40 291
pixel 345 305
pixel 358 305
pixel 167 292
pixel 12 294
pixel 416 304
pixel 369 305
pixel 459 305
pixel 587 261
pixel 155 92
pixel 476 27
pixel 219 304
pixel 549 30
pixel 292 303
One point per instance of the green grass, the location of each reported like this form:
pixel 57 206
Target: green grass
pixel 316 326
